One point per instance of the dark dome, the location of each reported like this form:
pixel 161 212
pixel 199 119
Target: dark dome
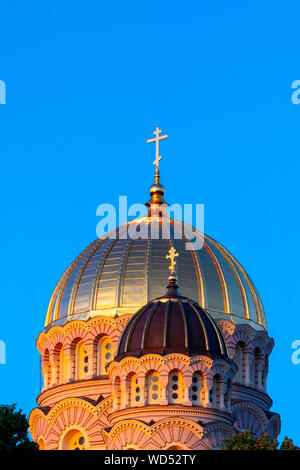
pixel 170 324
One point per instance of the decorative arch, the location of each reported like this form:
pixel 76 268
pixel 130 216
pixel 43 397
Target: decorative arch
pixel 74 438
pixel 213 435
pixel 240 359
pixel 75 414
pixel 165 433
pixel 103 347
pixel 198 388
pixel 175 387
pixel 38 426
pixel 152 387
pixel 248 415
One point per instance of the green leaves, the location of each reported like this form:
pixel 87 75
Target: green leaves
pixel 14 429
pixel 247 441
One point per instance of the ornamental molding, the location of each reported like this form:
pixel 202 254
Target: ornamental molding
pixel 118 428
pixel 253 409
pixel 274 425
pixel 68 428
pixel 180 411
pixel 59 407
pixel 217 426
pixel 243 330
pixel 34 416
pixel 186 361
pixel 227 325
pixel 86 325
pixel 247 334
pixel 62 405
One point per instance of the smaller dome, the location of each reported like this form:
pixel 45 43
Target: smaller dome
pixel 171 324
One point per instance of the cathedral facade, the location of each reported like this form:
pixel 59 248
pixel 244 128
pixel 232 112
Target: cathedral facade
pixel 132 361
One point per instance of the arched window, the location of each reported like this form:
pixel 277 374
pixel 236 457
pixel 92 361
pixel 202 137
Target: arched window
pixel 257 368
pixel 153 389
pixel 74 440
pixel 117 393
pixel 175 387
pixel 104 354
pixel 265 373
pixel 133 390
pixel 195 391
pixel 227 395
pixel 63 361
pixel 81 361
pixel 240 360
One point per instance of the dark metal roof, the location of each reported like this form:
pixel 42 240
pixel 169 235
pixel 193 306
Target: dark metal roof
pixel 169 324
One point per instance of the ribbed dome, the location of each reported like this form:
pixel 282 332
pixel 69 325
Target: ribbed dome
pixel 171 324
pixel 118 276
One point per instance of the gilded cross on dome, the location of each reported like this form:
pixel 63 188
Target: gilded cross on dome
pixel 156 139
pixel 171 256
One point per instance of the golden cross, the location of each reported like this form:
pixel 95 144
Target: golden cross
pixel 172 255
pixel 156 139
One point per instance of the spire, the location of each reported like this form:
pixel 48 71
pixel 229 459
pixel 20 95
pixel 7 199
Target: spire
pixel 172 286
pixel 157 190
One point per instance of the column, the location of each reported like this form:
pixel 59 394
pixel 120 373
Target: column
pixel 164 390
pixel 142 386
pixel 187 381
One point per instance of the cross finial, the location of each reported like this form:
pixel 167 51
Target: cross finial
pixel 171 256
pixel 156 139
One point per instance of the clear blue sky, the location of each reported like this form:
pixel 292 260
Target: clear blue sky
pixel 87 82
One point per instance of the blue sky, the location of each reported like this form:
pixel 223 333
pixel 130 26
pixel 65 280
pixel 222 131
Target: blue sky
pixel 86 85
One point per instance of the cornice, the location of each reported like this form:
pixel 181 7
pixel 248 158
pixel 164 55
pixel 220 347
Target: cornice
pixel 87 325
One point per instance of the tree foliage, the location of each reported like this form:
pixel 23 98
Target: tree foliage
pixel 288 444
pixel 14 429
pixel 247 441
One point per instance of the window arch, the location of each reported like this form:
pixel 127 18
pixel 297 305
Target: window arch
pixel 117 393
pixel 81 361
pixel 133 390
pixel 257 368
pixel 175 387
pixel 227 395
pixel 153 388
pixel 265 373
pixel 216 392
pixel 61 363
pixel 74 439
pixel 104 354
pixel 196 389
pixel 240 360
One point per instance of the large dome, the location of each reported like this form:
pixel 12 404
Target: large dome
pixel 116 276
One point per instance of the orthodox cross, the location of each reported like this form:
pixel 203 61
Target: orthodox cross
pixel 171 256
pixel 156 139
